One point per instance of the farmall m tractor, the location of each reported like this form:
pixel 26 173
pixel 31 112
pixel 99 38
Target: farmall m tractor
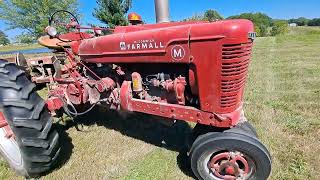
pixel 188 71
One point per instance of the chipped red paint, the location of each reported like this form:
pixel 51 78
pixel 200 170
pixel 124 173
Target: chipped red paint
pixel 175 111
pixel 54 103
pixel 4 124
pixel 225 165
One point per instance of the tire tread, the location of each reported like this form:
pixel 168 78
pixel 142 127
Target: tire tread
pixel 35 134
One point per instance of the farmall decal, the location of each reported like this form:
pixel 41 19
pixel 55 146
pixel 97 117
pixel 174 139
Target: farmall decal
pixel 141 44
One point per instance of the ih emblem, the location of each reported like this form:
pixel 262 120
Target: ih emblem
pixel 123 46
pixel 252 35
pixel 177 52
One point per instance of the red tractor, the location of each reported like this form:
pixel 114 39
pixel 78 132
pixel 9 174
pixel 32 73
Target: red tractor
pixel 189 71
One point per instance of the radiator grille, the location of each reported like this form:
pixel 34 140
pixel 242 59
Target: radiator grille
pixel 235 62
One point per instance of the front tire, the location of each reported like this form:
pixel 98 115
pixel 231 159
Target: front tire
pixel 32 148
pixel 229 155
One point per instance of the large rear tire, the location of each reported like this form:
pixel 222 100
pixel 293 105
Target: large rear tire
pixel 33 149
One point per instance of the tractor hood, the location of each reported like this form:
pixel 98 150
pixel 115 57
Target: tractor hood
pixel 155 38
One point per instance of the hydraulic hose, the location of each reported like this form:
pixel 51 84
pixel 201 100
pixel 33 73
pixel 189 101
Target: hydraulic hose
pixel 73 112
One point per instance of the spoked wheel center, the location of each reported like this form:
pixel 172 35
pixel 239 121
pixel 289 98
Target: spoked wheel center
pixel 8 144
pixel 230 165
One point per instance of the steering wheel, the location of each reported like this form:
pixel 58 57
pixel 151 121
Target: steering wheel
pixel 53 20
pixel 62 27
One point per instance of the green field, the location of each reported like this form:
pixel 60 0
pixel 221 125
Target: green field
pixel 282 101
pixel 19 47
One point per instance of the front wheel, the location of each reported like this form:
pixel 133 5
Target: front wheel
pixel 228 155
pixel 28 140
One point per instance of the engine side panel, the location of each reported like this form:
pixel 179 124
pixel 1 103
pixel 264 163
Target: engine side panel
pixel 216 50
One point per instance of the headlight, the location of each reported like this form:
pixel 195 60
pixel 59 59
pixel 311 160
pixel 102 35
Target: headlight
pixel 98 32
pixel 51 31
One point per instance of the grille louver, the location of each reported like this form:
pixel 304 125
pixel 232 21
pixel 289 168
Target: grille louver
pixel 235 63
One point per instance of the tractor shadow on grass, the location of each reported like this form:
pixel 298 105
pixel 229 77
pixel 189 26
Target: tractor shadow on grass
pixel 147 128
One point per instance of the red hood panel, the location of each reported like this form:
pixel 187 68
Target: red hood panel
pixel 155 38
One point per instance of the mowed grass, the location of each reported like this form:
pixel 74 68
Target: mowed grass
pixel 282 100
pixel 11 57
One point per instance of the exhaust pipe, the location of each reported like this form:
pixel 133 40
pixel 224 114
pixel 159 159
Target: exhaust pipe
pixel 162 10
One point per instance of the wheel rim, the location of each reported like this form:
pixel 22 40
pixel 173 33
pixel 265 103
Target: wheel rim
pixel 8 144
pixel 231 165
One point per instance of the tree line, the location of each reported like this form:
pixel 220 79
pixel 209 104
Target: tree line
pixel 32 16
pixel 302 21
pixel 264 25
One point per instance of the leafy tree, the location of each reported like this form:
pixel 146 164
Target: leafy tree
pixel 25 38
pixel 279 27
pixel 112 12
pixel 261 21
pixel 195 17
pixel 209 15
pixel 314 22
pixel 32 15
pixel 257 18
pixel 212 15
pixel 263 30
pixel 4 38
pixel 257 30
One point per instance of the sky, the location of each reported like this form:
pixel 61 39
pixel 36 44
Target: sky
pixel 180 9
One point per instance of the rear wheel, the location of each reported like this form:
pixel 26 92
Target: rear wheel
pixel 27 139
pixel 229 155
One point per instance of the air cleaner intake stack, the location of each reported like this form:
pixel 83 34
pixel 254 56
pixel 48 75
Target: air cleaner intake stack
pixel 162 10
